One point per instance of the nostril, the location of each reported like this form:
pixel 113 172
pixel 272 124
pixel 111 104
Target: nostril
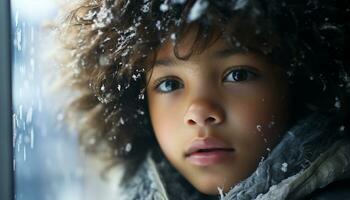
pixel 191 122
pixel 210 120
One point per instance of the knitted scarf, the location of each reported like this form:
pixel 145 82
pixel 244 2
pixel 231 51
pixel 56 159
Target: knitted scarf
pixel 310 155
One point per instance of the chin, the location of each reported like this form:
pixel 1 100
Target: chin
pixel 212 188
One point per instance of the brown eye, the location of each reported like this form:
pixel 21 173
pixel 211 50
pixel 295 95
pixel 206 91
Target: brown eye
pixel 238 75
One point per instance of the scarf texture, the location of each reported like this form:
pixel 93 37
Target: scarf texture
pixel 310 155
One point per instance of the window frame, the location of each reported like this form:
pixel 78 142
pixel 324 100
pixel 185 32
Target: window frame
pixel 6 147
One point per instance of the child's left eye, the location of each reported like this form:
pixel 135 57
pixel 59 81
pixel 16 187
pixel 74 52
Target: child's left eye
pixel 238 75
pixel 168 85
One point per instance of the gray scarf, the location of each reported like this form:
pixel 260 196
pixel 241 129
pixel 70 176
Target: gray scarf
pixel 310 155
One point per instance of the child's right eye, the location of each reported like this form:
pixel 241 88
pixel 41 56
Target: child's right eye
pixel 168 85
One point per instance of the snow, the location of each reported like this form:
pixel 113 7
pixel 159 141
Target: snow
pixel 173 36
pixel 271 124
pixel 18 39
pixel 141 96
pixel 197 10
pixel 164 7
pixel 337 103
pixel 145 8
pixel 121 121
pixel 259 128
pixel 221 192
pixel 178 1
pixel 29 116
pixel 59 117
pixel 103 60
pixel 158 25
pixel 31 138
pixel 128 147
pixel 240 4
pixel 92 141
pixel 103 18
pixel 284 167
pixel 90 15
pixel 135 77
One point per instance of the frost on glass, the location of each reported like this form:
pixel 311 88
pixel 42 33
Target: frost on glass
pixel 47 160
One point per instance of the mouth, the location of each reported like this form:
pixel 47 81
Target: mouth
pixel 208 151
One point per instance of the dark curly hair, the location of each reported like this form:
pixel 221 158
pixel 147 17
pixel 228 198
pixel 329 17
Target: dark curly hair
pixel 111 45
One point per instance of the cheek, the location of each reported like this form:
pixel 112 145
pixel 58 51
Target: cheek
pixel 260 114
pixel 165 121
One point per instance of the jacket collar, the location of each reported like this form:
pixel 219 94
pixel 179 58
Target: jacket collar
pixel 311 155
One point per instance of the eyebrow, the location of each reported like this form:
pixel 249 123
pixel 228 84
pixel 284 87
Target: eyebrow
pixel 165 62
pixel 217 55
pixel 229 52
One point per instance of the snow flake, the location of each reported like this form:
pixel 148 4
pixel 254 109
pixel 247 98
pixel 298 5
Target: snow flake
pixel 337 103
pixel 92 141
pixel 173 36
pixel 60 117
pixel 265 140
pixel 141 96
pixel 29 116
pixel 271 124
pixel 239 4
pixel 103 88
pixel 135 77
pixel 121 121
pixel 238 44
pixel 90 15
pixel 141 112
pixel 259 128
pixel 103 18
pixel 221 192
pixel 103 60
pixel 128 147
pixel 197 10
pixel 145 8
pixel 31 138
pixel 158 25
pixel 164 7
pixel 284 167
pixel 178 1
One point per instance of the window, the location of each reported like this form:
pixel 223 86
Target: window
pixel 44 156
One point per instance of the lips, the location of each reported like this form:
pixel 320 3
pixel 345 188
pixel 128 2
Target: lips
pixel 208 151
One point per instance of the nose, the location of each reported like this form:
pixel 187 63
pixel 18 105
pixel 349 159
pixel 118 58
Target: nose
pixel 204 113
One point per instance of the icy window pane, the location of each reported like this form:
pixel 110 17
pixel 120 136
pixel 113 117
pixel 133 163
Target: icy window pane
pixel 48 162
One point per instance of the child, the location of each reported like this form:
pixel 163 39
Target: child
pixel 199 99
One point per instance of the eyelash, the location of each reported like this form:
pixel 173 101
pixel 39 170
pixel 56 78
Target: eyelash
pixel 164 80
pixel 249 75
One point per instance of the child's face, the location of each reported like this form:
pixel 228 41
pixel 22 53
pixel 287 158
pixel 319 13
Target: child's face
pixel 230 106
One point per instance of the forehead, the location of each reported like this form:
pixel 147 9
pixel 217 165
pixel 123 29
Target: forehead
pixel 217 49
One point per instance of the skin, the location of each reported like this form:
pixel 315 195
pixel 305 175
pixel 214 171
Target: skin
pixel 201 97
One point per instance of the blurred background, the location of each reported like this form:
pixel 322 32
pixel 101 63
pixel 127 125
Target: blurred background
pixel 48 162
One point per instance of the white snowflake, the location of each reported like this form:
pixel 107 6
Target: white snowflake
pixel 197 10
pixel 103 18
pixel 284 167
pixel 259 128
pixel 164 7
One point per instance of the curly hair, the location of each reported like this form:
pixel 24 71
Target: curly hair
pixel 111 45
